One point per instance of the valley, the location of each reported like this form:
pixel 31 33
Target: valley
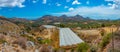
pixel 59 34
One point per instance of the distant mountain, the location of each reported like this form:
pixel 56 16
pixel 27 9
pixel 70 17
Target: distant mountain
pixel 51 19
pixel 18 19
pixel 73 18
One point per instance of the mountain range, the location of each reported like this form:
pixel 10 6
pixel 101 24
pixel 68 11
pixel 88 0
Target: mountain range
pixel 50 19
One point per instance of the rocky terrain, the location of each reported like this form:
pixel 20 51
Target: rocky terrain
pixel 23 35
pixel 14 38
pixel 9 28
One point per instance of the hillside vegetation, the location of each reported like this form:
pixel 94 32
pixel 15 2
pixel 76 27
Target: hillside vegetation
pixel 22 35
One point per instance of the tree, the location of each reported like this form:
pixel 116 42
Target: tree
pixel 102 25
pixel 62 25
pixel 102 31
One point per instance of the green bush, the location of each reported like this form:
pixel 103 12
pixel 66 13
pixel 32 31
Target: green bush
pixel 82 47
pixel 46 41
pixel 105 40
pixel 102 32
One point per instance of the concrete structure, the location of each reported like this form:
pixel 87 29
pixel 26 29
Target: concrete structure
pixel 68 37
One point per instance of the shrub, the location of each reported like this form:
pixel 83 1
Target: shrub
pixel 31 39
pixel 93 49
pixel 2 41
pixel 105 40
pixel 46 41
pixel 102 32
pixel 82 47
pixel 39 39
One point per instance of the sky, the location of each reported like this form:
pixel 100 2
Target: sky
pixel 32 9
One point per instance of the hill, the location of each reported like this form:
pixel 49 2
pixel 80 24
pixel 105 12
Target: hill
pixel 3 18
pixel 19 19
pixel 7 27
pixel 47 19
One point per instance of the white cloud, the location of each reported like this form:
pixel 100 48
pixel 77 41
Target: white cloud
pixel 35 1
pixel 88 2
pixel 94 12
pixel 113 0
pixel 71 9
pixel 66 7
pixel 115 5
pixel 109 4
pixel 12 3
pixel 109 0
pixel 75 2
pixel 58 4
pixel 44 1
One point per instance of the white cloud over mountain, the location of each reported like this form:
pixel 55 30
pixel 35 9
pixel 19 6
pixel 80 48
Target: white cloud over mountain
pixel 12 3
pixel 94 12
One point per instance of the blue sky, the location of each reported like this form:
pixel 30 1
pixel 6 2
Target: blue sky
pixel 32 9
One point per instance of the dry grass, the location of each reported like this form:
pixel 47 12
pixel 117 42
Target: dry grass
pixel 88 35
pixel 8 27
pixel 109 29
pixel 55 38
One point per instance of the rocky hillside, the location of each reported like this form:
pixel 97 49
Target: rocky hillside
pixel 7 27
pixel 116 40
pixel 3 18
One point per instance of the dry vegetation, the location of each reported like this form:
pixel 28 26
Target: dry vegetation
pixel 116 41
pixel 55 38
pixel 14 38
pixel 9 28
pixel 88 35
pixel 99 39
